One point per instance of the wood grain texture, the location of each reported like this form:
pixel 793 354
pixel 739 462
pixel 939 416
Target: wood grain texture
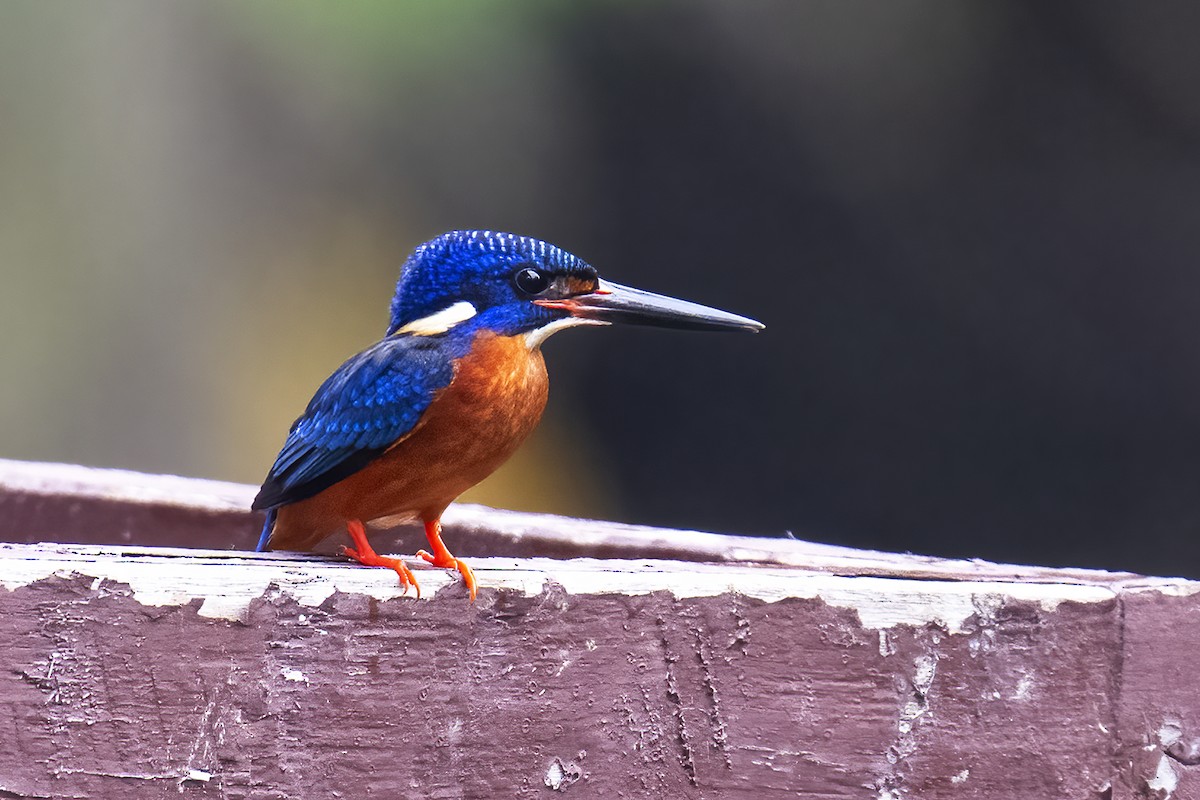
pixel 617 679
pixel 152 672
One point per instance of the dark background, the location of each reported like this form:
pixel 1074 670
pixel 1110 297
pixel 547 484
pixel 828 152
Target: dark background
pixel 971 230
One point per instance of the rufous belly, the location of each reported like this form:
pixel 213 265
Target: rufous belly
pixel 494 402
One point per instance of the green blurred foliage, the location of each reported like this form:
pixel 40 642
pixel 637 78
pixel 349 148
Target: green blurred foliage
pixel 203 208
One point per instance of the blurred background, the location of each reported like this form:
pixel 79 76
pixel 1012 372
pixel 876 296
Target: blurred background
pixel 971 229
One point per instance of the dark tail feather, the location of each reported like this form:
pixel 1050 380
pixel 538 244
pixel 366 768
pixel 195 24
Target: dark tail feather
pixel 266 532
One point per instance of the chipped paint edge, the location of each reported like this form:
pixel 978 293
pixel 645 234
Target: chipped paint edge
pixel 69 483
pixel 228 585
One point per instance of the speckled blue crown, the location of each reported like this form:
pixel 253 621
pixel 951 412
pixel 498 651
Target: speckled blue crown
pixel 454 265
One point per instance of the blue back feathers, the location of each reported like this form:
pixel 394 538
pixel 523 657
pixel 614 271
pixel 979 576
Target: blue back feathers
pixel 379 395
pixel 360 410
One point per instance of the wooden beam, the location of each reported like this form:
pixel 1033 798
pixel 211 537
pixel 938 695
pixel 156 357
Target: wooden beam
pixel 135 671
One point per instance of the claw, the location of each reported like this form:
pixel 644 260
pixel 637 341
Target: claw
pixel 440 557
pixel 364 554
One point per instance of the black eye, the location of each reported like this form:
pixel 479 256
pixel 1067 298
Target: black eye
pixel 531 281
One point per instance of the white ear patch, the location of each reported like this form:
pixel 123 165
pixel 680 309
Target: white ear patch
pixel 535 337
pixel 441 321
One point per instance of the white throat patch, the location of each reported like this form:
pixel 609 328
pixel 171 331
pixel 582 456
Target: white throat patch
pixel 441 321
pixel 535 337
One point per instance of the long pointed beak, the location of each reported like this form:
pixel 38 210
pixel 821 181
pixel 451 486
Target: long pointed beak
pixel 613 302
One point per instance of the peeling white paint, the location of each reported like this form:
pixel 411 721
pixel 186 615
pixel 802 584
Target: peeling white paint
pixel 1168 586
pixel 296 675
pixel 555 774
pixel 63 481
pixel 228 582
pixel 926 668
pixel 912 709
pixel 1024 687
pixel 1165 779
pixel 1170 732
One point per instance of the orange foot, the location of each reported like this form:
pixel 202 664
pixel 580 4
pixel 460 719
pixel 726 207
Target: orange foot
pixel 363 553
pixel 440 557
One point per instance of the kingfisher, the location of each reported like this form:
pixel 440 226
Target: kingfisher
pixel 456 384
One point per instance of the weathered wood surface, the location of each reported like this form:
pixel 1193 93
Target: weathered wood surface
pixel 135 672
pixel 84 505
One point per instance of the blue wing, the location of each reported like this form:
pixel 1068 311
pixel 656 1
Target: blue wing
pixel 360 411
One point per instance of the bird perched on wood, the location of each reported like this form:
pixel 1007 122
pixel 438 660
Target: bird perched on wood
pixel 458 382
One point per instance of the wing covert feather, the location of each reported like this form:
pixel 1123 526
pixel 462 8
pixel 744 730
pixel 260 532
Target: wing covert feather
pixel 369 403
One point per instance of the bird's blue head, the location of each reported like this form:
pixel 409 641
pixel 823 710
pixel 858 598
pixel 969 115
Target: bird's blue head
pixel 465 281
pixel 497 274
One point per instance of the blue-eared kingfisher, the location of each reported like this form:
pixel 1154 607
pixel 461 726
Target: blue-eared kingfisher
pixel 457 383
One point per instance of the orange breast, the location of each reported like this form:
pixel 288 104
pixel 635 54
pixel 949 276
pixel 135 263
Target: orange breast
pixel 494 402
